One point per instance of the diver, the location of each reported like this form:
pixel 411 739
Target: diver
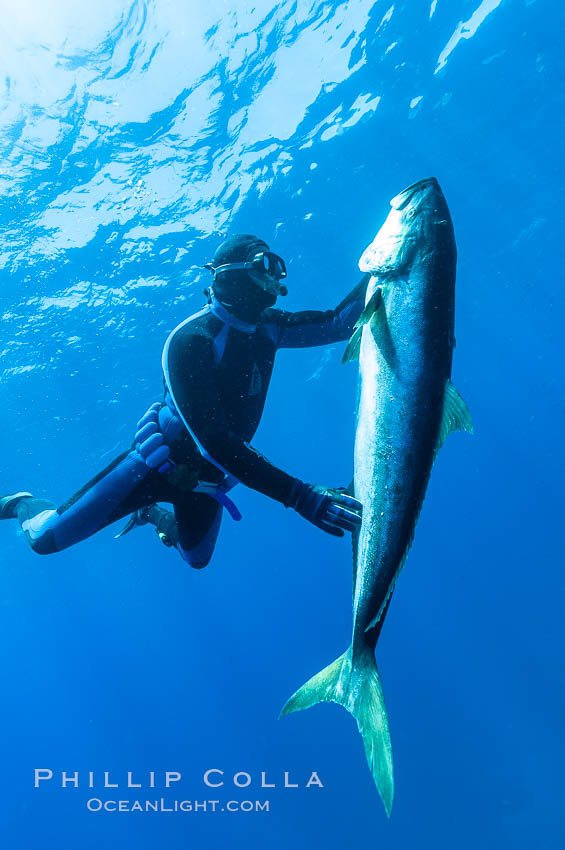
pixel 192 447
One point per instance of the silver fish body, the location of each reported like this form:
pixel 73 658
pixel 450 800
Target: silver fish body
pixel 407 407
pixel 404 365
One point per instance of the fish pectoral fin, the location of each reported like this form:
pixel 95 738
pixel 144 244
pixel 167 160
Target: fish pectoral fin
pixel 371 311
pixel 372 307
pixel 353 346
pixel 455 416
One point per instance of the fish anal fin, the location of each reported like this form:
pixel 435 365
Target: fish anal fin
pixel 378 619
pixel 455 415
pixel 350 490
pixel 355 548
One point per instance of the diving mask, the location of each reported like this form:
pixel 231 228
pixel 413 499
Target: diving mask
pixel 266 269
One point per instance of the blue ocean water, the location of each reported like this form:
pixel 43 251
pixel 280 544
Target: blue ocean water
pixel 133 137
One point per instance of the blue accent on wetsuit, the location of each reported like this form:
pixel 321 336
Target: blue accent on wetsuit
pixel 217 372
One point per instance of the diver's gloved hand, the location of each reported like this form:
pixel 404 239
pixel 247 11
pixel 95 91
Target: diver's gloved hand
pixel 150 442
pixel 331 510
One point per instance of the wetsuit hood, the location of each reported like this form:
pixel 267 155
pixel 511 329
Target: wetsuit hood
pixel 237 290
pixel 238 248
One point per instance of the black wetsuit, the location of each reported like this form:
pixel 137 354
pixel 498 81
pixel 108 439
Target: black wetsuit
pixel 217 370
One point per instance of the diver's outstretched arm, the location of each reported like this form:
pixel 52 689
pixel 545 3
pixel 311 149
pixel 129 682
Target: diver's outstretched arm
pixel 309 328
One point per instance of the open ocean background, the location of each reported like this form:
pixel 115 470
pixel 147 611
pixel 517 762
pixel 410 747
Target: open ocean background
pixel 133 136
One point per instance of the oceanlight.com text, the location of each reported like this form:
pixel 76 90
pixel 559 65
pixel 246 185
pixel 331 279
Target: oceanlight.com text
pixel 95 804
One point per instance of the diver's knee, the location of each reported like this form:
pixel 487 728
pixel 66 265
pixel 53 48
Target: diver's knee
pixel 197 563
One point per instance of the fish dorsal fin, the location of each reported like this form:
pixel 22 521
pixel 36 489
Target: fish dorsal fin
pixel 455 416
pixel 371 310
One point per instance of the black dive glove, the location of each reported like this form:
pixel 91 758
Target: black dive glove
pixel 331 510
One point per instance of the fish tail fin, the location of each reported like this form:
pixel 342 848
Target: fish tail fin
pixel 357 687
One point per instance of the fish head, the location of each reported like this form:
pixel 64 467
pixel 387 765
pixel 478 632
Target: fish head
pixel 417 197
pixel 395 246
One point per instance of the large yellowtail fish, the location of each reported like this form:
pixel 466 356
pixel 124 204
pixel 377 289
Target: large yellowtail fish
pixel 407 407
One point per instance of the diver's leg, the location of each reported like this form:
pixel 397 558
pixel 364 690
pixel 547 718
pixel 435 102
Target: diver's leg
pixel 192 529
pixel 125 485
pixel 162 520
pixel 164 523
pixel 32 513
pixel 198 519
